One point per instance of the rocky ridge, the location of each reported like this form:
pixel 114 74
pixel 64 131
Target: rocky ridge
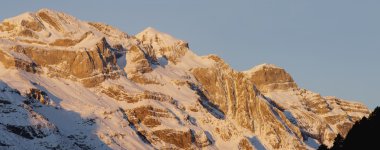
pixel 149 91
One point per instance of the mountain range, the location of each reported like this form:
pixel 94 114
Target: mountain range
pixel 72 84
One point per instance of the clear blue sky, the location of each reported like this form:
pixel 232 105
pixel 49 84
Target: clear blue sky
pixel 329 46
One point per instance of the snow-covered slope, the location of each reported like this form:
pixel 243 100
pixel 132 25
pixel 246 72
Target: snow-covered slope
pixel 71 84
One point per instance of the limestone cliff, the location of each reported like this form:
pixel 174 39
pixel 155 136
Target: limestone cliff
pixel 267 77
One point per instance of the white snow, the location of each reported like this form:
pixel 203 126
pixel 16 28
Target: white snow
pixel 156 38
pixel 261 67
pixel 72 29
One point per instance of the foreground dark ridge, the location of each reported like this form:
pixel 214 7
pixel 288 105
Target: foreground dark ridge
pixel 362 135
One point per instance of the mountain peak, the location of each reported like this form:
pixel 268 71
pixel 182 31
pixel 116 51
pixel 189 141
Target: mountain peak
pixel 158 39
pixel 47 10
pixel 17 19
pixel 269 77
pixel 261 67
pixel 30 15
pixel 151 30
pixel 163 44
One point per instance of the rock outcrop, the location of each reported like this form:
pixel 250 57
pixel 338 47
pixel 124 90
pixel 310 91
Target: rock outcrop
pixel 62 45
pixel 163 45
pixel 267 77
pixel 91 67
pixel 234 95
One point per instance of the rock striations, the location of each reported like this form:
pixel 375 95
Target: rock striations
pixel 71 84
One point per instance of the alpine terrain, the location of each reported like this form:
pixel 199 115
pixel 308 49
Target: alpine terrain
pixel 71 84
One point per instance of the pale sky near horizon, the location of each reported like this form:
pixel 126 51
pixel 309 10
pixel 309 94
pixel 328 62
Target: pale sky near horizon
pixel 329 47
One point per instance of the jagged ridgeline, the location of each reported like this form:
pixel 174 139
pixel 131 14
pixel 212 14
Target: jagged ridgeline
pixel 72 84
pixel 363 135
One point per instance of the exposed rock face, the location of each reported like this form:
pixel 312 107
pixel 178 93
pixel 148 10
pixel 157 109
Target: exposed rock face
pixel 137 65
pixel 268 77
pixel 315 115
pixel 201 139
pixel 118 93
pixel 318 117
pixel 180 139
pixel 146 115
pixel 65 46
pixel 233 94
pixel 236 95
pixel 90 67
pixel 244 144
pixel 149 91
pixel 13 62
pixel 147 119
pixel 39 95
pixel 163 44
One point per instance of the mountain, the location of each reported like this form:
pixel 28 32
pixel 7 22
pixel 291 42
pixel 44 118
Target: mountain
pixel 71 84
